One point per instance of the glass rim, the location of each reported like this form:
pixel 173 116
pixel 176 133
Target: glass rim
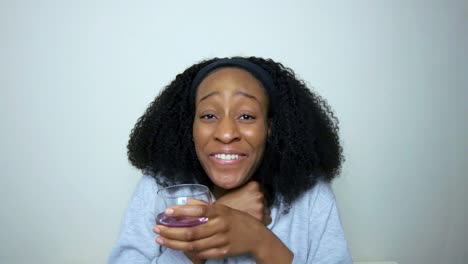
pixel 200 190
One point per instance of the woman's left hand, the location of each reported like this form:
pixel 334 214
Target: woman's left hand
pixel 249 199
pixel 228 232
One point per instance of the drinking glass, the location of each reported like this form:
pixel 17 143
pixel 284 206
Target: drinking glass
pixel 180 195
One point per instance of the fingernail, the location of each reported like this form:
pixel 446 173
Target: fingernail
pixel 159 240
pixel 156 230
pixel 169 211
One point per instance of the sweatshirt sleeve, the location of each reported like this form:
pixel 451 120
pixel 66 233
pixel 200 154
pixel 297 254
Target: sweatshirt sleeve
pixel 136 241
pixel 328 232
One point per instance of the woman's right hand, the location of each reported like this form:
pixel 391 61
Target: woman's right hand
pixel 228 232
pixel 249 199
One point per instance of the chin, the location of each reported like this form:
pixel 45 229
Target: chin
pixel 228 183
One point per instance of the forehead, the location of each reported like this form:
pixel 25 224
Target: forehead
pixel 231 79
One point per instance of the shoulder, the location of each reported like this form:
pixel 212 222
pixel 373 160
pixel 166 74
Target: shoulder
pixel 322 192
pixel 146 186
pixel 316 200
pixel 144 193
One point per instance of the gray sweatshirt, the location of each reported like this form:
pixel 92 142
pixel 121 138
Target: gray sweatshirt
pixel 311 230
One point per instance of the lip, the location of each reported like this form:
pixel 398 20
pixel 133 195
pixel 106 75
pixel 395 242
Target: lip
pixel 228 151
pixel 218 161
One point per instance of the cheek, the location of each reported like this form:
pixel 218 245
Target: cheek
pixel 196 137
pixel 256 137
pixel 201 135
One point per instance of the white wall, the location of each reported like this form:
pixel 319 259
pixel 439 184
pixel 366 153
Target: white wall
pixel 75 76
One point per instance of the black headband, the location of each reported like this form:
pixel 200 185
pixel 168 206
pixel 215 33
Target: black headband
pixel 258 72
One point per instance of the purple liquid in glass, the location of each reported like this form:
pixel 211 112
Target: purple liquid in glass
pixel 164 220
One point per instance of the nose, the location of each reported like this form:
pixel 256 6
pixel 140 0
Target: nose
pixel 227 131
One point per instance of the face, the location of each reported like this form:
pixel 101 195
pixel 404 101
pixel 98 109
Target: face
pixel 230 126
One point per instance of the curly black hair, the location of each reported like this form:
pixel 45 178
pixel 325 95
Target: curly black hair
pixel 302 147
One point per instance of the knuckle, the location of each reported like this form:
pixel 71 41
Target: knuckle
pixel 194 246
pixel 189 235
pixel 258 209
pixel 223 240
pixel 259 216
pixel 259 197
pixel 224 252
pixel 223 210
pixel 253 185
pixel 259 206
pixel 224 227
pixel 202 209
pixel 190 247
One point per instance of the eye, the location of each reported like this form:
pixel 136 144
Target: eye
pixel 246 117
pixel 208 116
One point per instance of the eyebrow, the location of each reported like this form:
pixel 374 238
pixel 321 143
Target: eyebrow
pixel 237 93
pixel 208 95
pixel 247 95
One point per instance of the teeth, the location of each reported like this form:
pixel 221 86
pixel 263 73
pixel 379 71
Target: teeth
pixel 227 156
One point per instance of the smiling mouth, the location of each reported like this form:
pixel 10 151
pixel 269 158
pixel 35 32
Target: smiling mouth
pixel 227 156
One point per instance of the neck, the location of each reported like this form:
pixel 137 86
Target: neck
pixel 218 192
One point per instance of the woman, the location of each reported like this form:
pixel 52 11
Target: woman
pixel 265 145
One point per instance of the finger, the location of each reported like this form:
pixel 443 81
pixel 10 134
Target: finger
pixel 197 210
pixel 192 201
pixel 193 247
pixel 185 234
pixel 252 186
pixel 219 253
pixel 191 233
pixel 194 210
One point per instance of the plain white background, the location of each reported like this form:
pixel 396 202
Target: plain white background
pixel 76 75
